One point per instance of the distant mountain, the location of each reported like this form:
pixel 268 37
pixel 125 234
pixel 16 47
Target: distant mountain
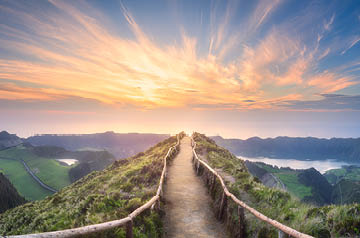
pixel 96 160
pixel 8 140
pixel 347 149
pixel 9 197
pixel 120 145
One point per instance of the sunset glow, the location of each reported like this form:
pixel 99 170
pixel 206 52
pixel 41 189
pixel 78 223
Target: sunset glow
pixel 62 59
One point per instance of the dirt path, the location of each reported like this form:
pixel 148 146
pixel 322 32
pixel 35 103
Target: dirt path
pixel 188 205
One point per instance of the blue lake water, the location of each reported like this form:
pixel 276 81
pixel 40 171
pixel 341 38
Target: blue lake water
pixel 320 165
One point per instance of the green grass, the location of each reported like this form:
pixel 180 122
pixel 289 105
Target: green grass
pixel 335 221
pixel 290 180
pixel 50 171
pixel 293 185
pixel 350 173
pixel 23 182
pixel 98 197
pixel 268 168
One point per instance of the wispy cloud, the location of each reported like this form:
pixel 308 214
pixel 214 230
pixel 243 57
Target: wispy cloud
pixel 326 102
pixel 75 54
pixel 352 43
pixel 327 25
pixel 246 30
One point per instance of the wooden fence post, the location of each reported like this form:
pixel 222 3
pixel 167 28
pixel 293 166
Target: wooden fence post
pixel 222 206
pixel 212 186
pixel 241 222
pixel 207 176
pixel 158 204
pixel 129 229
pixel 197 167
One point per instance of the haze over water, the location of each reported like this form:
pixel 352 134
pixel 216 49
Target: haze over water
pixel 320 165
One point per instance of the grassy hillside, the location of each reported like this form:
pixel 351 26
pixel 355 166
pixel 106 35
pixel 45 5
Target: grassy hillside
pixel 26 186
pixel 8 140
pixel 320 222
pixel 346 191
pixel 98 197
pixel 48 170
pixel 346 181
pixel 306 184
pixel 42 160
pixel 346 172
pixel 290 179
pixel 9 197
pixel 293 185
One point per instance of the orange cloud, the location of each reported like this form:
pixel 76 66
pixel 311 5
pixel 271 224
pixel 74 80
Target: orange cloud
pixel 330 82
pixel 77 56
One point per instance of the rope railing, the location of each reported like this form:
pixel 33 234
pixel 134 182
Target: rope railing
pixel 242 205
pixel 127 221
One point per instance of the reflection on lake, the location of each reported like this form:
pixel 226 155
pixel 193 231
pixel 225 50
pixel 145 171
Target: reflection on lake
pixel 320 165
pixel 68 161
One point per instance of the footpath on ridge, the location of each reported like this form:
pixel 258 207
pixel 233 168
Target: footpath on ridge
pixel 187 202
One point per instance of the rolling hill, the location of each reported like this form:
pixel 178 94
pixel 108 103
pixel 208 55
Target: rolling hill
pixel 351 172
pixel 311 186
pixel 98 197
pixel 311 148
pixel 9 197
pixel 43 162
pixel 8 140
pixel 127 184
pixel 120 145
pixel 324 221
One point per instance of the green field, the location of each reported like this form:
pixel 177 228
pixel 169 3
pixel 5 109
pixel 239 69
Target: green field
pixel 350 172
pixel 293 185
pixel 326 221
pixel 98 197
pixel 50 171
pixel 23 182
pixel 290 180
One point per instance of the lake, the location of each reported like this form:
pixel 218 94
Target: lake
pixel 320 165
pixel 68 161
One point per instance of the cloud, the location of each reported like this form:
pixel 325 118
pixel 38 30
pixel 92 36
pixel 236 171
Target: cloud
pixel 249 28
pixel 114 70
pixel 327 25
pixel 324 54
pixel 330 82
pixel 70 53
pixel 262 11
pixel 352 43
pixel 329 102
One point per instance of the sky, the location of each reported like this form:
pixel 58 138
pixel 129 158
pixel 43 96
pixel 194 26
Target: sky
pixel 233 68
